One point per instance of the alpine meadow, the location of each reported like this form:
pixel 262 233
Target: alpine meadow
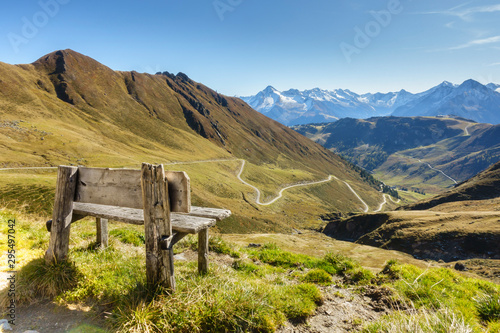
pixel 148 186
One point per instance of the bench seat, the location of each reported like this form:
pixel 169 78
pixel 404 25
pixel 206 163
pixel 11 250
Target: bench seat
pixel 190 223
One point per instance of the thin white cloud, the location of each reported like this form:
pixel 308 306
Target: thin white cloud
pixel 450 25
pixel 477 42
pixel 494 64
pixel 466 13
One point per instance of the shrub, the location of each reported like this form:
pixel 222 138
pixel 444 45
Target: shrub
pixel 39 280
pixel 359 275
pixel 319 276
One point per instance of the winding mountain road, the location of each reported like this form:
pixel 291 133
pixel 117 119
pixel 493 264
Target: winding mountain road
pixel 367 208
pixel 466 130
pixel 257 200
pixel 382 204
pixel 27 168
pixel 432 168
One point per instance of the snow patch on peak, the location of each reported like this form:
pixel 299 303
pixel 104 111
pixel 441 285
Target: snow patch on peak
pixel 294 107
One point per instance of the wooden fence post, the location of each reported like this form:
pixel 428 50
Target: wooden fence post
pixel 62 214
pixel 157 227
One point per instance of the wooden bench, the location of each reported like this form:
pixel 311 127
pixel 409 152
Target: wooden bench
pixel 158 199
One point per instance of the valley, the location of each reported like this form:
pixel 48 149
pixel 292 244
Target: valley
pixel 312 228
pixel 424 154
pixel 76 111
pixel 459 224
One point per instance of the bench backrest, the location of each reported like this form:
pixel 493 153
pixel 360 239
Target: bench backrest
pixel 122 188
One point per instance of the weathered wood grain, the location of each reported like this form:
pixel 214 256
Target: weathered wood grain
pixel 144 197
pixel 203 251
pixel 179 191
pixel 114 187
pixel 62 215
pixel 213 213
pixel 122 187
pixel 180 222
pixel 102 232
pixel 157 227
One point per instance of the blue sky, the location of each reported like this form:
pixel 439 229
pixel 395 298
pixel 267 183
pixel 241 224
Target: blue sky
pixel 238 47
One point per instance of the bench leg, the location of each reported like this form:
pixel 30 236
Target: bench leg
pixel 169 278
pixel 102 232
pixel 62 215
pixel 203 251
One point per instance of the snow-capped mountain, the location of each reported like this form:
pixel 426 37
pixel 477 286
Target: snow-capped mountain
pixel 494 86
pixel 470 100
pixel 294 107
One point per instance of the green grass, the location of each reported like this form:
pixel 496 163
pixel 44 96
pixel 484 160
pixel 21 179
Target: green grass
pixel 256 291
pixel 442 301
pixel 113 279
pixel 488 306
pixel 318 276
pixel 129 236
pixel 40 281
pixel 420 322
pixel 331 263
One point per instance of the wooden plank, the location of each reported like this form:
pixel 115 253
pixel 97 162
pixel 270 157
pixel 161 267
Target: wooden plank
pixel 184 223
pixel 122 188
pixel 102 232
pixel 157 227
pixel 191 224
pixel 62 215
pixel 179 191
pixel 213 213
pixel 114 187
pixel 120 214
pixel 203 251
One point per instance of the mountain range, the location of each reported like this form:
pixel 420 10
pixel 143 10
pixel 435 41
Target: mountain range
pixel 67 108
pixel 470 100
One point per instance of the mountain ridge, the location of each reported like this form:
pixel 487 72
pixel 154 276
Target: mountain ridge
pixel 470 100
pixel 409 151
pixel 67 108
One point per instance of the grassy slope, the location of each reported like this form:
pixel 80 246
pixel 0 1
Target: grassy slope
pixel 459 224
pixel 483 186
pixel 68 109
